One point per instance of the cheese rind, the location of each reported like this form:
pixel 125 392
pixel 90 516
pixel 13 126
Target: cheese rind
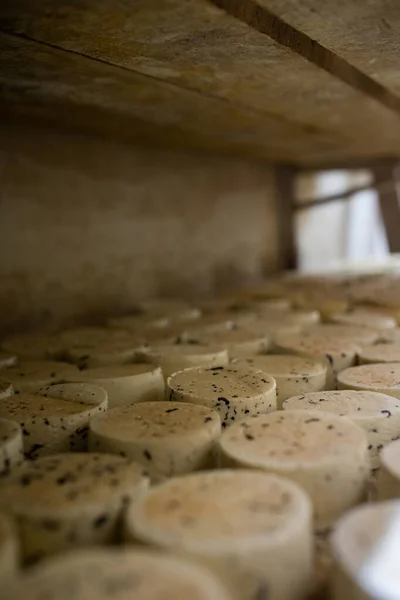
pixel 380 353
pixel 293 374
pixel 69 500
pixel 6 389
pixel 388 484
pixel 251 529
pixel 233 391
pixel 176 357
pixel 378 414
pixel 11 446
pixel 380 377
pixel 167 438
pixel 127 384
pixel 30 376
pixel 8 553
pixel 325 454
pixel 57 418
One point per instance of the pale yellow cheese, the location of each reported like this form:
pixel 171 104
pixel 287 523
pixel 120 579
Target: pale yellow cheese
pixel 381 377
pixel 380 353
pixel 30 376
pixel 247 340
pixel 6 389
pixel 176 357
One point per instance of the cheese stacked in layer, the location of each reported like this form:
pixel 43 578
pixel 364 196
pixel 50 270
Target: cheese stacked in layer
pixel 127 384
pixel 57 420
pixel 251 529
pixel 31 376
pixel 176 357
pixel 325 454
pixel 234 391
pixel 389 475
pixel 8 553
pixel 69 500
pixel 11 446
pixel 380 353
pixel 378 414
pixel 383 377
pixel 293 374
pixel 6 389
pixel 168 438
pixel 239 341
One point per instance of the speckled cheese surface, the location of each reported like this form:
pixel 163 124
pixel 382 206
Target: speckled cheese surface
pixel 11 446
pixel 57 419
pixel 118 574
pixel 353 334
pixel 7 359
pixel 69 500
pixel 325 454
pixel 378 414
pixel 380 353
pixel 8 552
pixel 247 340
pixel 168 438
pixel 127 384
pixel 31 375
pixel 34 346
pixel 251 529
pixel 389 475
pixel 6 389
pixel 233 392
pixel 361 544
pixel 382 377
pixel 293 374
pixel 365 319
pixel 176 357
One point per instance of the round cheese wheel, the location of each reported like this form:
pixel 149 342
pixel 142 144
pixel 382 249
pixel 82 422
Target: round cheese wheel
pixel 31 376
pixel 34 346
pixel 176 357
pixel 327 455
pixel 381 377
pixel 365 552
pixel 389 475
pixel 251 529
pixel 293 374
pixel 57 420
pixel 238 341
pixel 104 353
pixel 168 438
pixel 127 384
pixel 11 446
pixel 353 334
pixel 365 319
pixel 233 392
pixel 6 389
pixel 8 553
pixel 7 359
pixel 380 353
pixel 378 414
pixel 117 574
pixel 391 335
pixel 69 500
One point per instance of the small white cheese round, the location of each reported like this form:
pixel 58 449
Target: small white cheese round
pixel 11 446
pixel 9 553
pixel 381 377
pixel 378 414
pixel 57 419
pixel 31 376
pixel 238 341
pixel 380 353
pixel 391 335
pixel 117 574
pixel 168 438
pixel 293 374
pixel 6 389
pixel 34 346
pixel 366 319
pixel 389 475
pixel 251 529
pixel 176 357
pixel 233 391
pixel 7 359
pixel 365 551
pixel 127 384
pixel 353 334
pixel 104 353
pixel 327 455
pixel 69 500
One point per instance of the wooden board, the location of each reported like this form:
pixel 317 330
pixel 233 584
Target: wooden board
pixel 187 73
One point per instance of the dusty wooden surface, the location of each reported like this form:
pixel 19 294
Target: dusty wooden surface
pixel 185 73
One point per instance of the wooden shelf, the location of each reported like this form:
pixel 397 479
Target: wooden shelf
pixel 227 79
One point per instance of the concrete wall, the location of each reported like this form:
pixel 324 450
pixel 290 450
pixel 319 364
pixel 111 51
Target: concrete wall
pixel 87 226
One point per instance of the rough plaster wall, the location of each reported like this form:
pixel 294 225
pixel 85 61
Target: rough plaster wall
pixel 88 227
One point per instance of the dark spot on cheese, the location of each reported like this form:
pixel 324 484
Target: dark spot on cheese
pixel 313 420
pixel 330 359
pixel 100 521
pixel 51 524
pixel 25 432
pixel 387 413
pixel 222 399
pixel 216 368
pixel 170 410
pixel 248 436
pixel 207 419
pixel 147 454
pixel 330 427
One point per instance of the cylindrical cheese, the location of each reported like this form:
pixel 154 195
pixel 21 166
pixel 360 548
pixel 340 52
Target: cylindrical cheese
pixel 391 335
pixel 251 529
pixel 57 420
pixel 104 353
pixel 238 341
pixel 378 414
pixel 353 334
pixel 7 359
pixel 168 438
pixel 233 392
pixel 176 357
pixel 69 500
pixel 365 552
pixel 366 319
pixel 293 374
pixel 327 455
pixel 379 353
pixel 127 384
pixel 389 475
pixel 34 346
pixel 11 446
pixel 117 574
pixel 9 554
pixel 6 389
pixel 381 377
pixel 31 376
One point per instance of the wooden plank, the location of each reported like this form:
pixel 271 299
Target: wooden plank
pixel 285 190
pixel 389 203
pixel 296 109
